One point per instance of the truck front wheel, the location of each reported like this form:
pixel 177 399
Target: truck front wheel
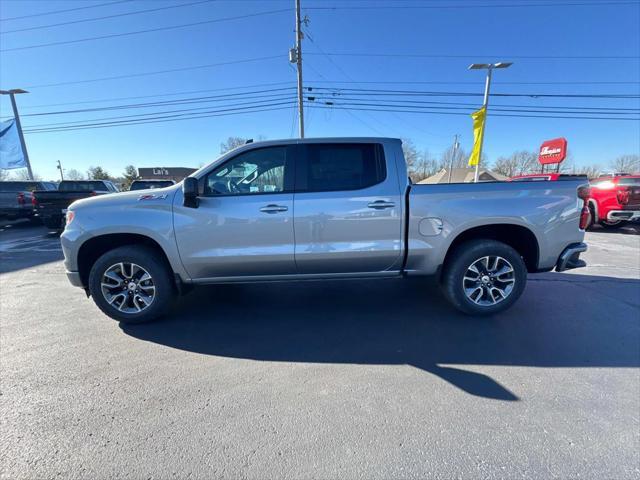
pixel 483 277
pixel 131 284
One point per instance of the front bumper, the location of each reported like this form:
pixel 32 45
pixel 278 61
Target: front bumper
pixel 627 215
pixel 74 279
pixel 570 257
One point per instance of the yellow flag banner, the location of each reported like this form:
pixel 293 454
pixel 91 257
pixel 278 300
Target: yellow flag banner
pixel 478 117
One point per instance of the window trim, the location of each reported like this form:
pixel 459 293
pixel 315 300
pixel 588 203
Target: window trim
pixel 289 173
pixel 301 185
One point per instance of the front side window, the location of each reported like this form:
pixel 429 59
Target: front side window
pixel 252 172
pixel 343 166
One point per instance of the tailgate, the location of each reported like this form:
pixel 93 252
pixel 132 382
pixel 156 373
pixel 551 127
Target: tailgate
pixel 57 200
pixel 634 197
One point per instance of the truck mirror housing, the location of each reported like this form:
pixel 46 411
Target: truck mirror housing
pixel 190 192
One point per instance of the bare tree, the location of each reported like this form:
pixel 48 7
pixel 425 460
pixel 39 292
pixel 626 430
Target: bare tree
pixel 591 171
pixel 23 175
pixel 518 163
pixel 231 143
pixel 457 159
pixel 626 164
pixel 425 166
pixel 73 174
pixel 410 151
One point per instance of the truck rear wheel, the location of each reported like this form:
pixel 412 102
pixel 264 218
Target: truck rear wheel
pixel 483 277
pixel 131 284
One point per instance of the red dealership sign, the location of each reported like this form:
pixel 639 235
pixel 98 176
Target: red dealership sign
pixel 553 151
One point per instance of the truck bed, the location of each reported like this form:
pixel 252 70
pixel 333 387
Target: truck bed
pixel 439 213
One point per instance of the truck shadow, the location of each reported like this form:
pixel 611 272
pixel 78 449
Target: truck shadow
pixel 562 320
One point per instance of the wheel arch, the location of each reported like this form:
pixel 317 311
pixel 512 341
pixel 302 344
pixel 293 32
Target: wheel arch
pixel 520 238
pixel 594 205
pixel 97 246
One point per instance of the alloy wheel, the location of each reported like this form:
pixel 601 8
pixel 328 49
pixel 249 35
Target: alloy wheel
pixel 489 280
pixel 128 287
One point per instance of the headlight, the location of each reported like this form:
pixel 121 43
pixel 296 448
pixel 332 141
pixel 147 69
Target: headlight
pixel 70 216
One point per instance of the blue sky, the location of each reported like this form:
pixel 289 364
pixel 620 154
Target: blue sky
pixel 483 30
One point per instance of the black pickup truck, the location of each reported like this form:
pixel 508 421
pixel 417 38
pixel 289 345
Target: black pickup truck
pixel 51 206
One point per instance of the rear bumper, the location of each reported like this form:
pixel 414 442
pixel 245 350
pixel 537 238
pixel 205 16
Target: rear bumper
pixel 74 279
pixel 570 257
pixel 627 215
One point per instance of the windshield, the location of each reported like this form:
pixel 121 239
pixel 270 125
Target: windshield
pixel 142 185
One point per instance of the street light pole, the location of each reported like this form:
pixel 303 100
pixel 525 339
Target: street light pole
pixel 60 168
pixel 487 87
pixel 299 67
pixel 12 94
pixel 454 151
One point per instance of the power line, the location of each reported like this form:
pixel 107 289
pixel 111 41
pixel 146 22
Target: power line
pixel 445 82
pixel 470 107
pixel 340 107
pixel 479 55
pixel 149 30
pixel 332 97
pixel 450 7
pixel 215 113
pixel 256 103
pixel 53 12
pixel 157 72
pixel 105 17
pixel 180 101
pixel 475 94
pixel 251 98
pixel 182 92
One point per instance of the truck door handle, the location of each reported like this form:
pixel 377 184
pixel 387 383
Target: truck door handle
pixel 274 208
pixel 381 204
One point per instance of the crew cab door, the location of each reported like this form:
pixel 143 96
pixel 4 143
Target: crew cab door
pixel 348 209
pixel 243 225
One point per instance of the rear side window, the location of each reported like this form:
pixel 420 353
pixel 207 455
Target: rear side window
pixel 82 186
pixel 341 166
pixel 531 179
pixel 16 186
pixel 630 181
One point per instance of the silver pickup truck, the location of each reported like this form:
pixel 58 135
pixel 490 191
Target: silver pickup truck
pixel 320 209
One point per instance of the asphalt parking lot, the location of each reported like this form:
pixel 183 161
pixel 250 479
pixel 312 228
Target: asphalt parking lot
pixel 322 380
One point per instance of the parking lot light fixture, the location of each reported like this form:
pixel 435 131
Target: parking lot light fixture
pixel 489 68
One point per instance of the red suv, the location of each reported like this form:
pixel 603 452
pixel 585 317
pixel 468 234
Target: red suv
pixel 614 200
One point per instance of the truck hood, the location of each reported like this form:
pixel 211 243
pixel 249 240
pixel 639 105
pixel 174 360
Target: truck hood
pixel 124 199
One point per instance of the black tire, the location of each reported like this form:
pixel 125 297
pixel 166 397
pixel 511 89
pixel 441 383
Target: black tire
pixel 611 226
pixel 463 257
pixel 149 260
pixel 54 222
pixel 591 219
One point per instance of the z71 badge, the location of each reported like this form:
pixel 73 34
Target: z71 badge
pixel 152 196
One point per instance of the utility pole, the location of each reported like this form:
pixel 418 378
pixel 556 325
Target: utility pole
pixel 23 145
pixel 453 154
pixel 487 86
pixel 60 168
pixel 298 61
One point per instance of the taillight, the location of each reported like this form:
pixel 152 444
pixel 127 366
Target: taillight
pixel 93 194
pixel 584 193
pixel 20 197
pixel 34 201
pixel 623 195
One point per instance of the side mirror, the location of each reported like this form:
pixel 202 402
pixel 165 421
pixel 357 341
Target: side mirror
pixel 190 192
